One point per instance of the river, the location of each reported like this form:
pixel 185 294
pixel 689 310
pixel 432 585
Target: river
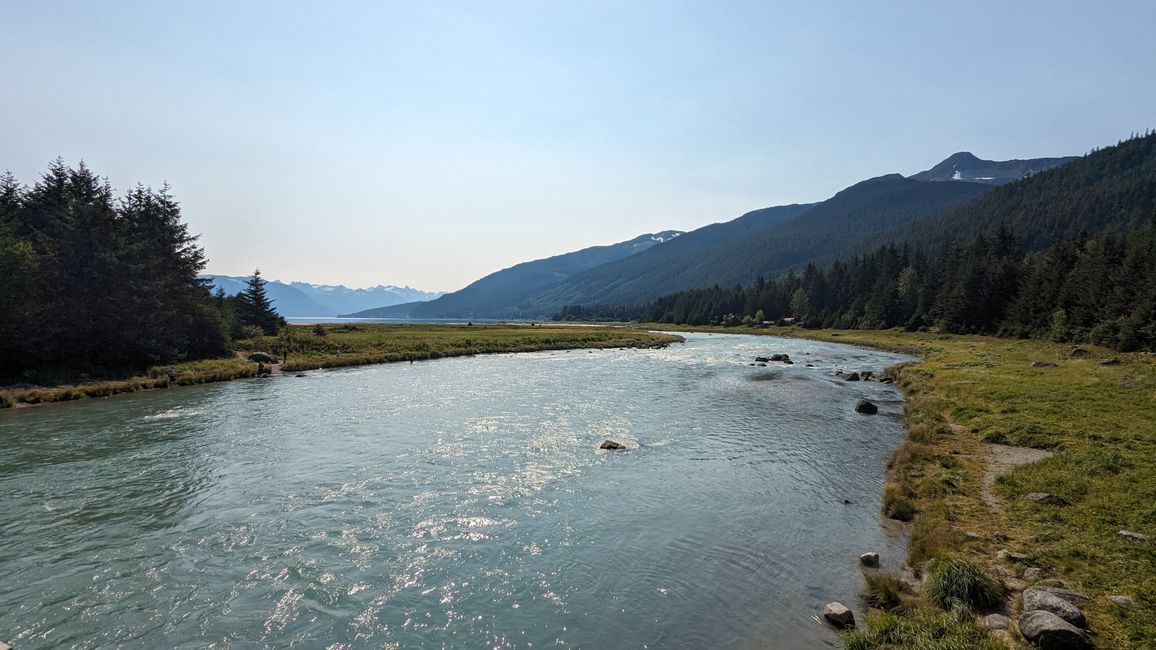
pixel 458 503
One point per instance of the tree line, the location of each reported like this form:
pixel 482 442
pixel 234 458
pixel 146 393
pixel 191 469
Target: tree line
pixel 1099 289
pixel 98 284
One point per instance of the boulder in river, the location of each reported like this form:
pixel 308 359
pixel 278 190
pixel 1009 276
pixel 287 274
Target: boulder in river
pixel 865 407
pixel 852 377
pixel 838 615
pixel 762 359
pixel 1051 632
pixel 870 559
pixel 611 444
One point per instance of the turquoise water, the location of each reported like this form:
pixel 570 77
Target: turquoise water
pixel 459 503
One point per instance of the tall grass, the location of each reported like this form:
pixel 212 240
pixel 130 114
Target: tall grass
pixel 956 580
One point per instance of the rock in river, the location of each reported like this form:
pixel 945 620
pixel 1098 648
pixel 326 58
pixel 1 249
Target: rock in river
pixel 866 407
pixel 610 444
pixel 870 559
pixel 839 615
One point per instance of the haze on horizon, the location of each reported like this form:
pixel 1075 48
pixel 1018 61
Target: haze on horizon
pixel 429 144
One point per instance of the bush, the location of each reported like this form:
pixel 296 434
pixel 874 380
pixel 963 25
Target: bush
pixel 896 505
pixel 956 581
pixel 884 590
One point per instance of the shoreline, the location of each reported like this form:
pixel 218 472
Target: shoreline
pixel 1029 459
pixel 437 341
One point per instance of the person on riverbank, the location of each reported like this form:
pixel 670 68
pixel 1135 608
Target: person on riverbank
pixel 260 368
pixel 172 375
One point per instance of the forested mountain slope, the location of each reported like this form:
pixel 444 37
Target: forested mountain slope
pixel 846 220
pixel 499 294
pixel 1112 186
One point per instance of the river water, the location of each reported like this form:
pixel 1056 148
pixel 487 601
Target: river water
pixel 459 503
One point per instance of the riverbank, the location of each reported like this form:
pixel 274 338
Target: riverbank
pixel 978 406
pixel 301 347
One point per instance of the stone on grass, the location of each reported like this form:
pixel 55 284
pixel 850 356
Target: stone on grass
pixel 1032 573
pixel 1078 352
pixel 1073 597
pixel 1043 364
pixel 1131 535
pixel 1039 496
pixel 1038 599
pixel 839 615
pixel 1126 601
pixel 866 408
pixel 870 559
pixel 997 622
pixel 611 444
pixel 1051 632
pixel 1109 362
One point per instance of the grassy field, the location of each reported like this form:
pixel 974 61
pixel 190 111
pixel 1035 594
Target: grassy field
pixel 1098 421
pixel 307 347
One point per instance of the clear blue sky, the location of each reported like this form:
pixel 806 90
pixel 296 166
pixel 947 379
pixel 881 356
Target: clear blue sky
pixel 430 143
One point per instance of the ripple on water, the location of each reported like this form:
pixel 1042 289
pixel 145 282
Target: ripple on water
pixel 454 503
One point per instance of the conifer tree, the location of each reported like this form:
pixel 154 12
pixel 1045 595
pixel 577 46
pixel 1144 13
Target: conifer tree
pixel 255 308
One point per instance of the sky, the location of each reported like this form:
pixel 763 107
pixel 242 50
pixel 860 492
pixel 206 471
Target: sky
pixel 431 143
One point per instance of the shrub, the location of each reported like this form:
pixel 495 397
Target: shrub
pixel 956 581
pixel 896 505
pixel 884 590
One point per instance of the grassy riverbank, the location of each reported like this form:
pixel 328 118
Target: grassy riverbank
pixel 1097 421
pixel 308 347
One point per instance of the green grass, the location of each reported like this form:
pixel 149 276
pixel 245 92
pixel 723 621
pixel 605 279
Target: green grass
pixel 920 629
pixel 303 347
pixel 885 591
pixel 957 581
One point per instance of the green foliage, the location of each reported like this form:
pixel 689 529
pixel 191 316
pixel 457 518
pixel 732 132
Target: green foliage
pixel 254 309
pixel 923 629
pixel 94 284
pixel 956 580
pixel 884 590
pixel 1099 291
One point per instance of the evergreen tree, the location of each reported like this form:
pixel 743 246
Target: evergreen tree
pixel 253 307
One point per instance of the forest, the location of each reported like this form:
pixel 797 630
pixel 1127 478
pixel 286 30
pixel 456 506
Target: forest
pixel 100 285
pixel 1099 289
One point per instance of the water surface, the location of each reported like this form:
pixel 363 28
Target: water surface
pixel 459 503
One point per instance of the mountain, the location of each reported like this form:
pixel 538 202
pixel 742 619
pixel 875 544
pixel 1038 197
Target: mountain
pixel 964 166
pixel 767 242
pixel 340 299
pixel 500 294
pixel 1111 187
pixel 810 233
pixel 300 299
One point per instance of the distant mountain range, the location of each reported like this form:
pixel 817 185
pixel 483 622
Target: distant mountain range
pixel 502 294
pixel 300 299
pixel 766 242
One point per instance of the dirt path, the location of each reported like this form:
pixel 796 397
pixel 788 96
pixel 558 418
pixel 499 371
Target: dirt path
pixel 1004 459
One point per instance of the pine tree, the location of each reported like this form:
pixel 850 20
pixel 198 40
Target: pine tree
pixel 255 308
